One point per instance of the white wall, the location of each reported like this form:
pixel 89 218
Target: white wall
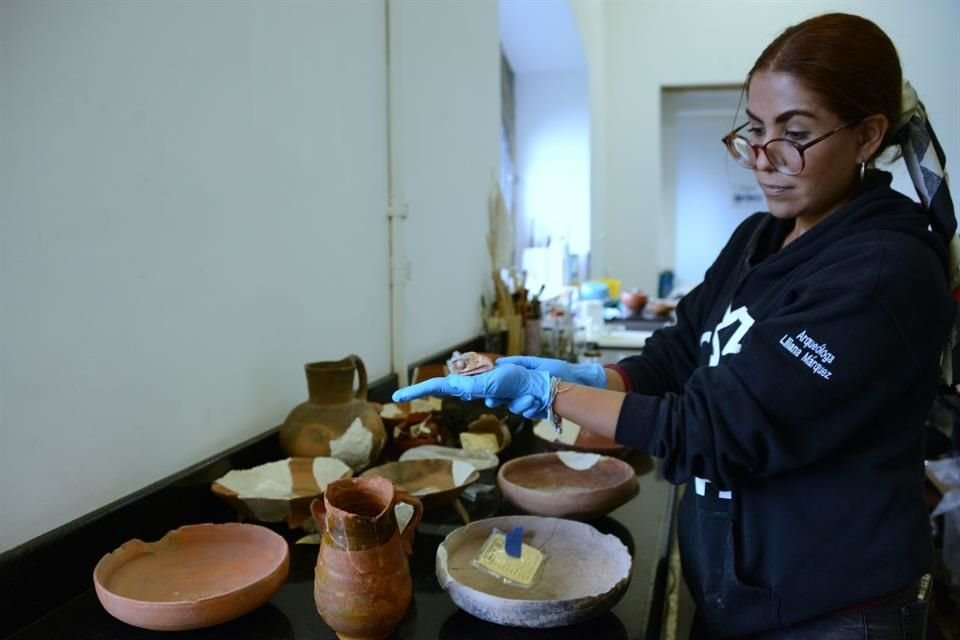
pixel 591 18
pixel 192 206
pixel 449 107
pixel 644 46
pixel 553 159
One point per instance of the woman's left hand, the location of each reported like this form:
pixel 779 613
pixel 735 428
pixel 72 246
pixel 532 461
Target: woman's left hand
pixel 505 383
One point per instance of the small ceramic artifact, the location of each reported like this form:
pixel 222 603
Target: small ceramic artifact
pixel 469 363
pixel 362 585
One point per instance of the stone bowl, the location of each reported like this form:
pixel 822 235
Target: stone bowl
pixel 279 491
pixel 435 483
pixel 195 576
pixel 585 573
pixel 567 484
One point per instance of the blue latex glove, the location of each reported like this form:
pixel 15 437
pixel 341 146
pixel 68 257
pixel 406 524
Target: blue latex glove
pixel 505 383
pixel 588 374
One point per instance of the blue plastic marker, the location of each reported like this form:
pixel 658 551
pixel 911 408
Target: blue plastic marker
pixel 514 542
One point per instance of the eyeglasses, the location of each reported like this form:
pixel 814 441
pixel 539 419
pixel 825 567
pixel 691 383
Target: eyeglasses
pixel 785 156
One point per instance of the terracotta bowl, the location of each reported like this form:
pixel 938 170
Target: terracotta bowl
pixel 280 490
pixel 481 460
pixel 486 462
pixel 574 438
pixel 434 482
pixel 567 484
pixel 195 576
pixel 585 573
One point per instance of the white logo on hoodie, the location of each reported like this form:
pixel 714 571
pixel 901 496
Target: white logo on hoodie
pixel 732 345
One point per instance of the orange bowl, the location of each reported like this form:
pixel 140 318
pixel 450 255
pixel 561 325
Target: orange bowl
pixel 195 576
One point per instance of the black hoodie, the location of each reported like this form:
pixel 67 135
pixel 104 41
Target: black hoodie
pixel 792 394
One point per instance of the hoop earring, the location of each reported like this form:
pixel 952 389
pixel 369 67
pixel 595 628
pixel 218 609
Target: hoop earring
pixel 863 170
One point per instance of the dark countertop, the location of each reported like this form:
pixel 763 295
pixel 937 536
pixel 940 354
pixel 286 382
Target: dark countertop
pixel 643 524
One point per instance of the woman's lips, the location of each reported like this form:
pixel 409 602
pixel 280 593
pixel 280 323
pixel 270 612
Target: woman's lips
pixel 773 190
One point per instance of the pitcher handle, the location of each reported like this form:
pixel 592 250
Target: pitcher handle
pixel 406 536
pixel 319 511
pixel 362 372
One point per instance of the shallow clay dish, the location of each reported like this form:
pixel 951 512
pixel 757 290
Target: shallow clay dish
pixel 195 576
pixel 567 484
pixel 280 490
pixel 573 438
pixel 480 459
pixel 434 482
pixel 584 574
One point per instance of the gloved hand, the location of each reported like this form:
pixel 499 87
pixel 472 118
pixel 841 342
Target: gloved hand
pixel 507 382
pixel 588 374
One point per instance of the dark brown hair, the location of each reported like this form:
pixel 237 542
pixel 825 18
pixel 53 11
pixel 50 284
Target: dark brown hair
pixel 845 59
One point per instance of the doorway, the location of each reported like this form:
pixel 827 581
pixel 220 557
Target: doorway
pixel 708 194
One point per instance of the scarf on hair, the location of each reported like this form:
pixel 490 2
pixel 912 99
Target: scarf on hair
pixel 927 163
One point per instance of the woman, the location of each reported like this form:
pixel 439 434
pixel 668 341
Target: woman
pixel 791 394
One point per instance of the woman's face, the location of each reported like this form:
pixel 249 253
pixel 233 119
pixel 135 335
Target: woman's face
pixel 779 106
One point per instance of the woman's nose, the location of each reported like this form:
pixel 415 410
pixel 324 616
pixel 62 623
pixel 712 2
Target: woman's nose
pixel 763 162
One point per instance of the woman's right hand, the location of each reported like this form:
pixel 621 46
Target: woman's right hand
pixel 589 374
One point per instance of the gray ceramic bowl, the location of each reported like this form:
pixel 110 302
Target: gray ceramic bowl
pixel 585 573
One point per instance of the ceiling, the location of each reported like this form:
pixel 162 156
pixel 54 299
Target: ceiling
pixel 540 35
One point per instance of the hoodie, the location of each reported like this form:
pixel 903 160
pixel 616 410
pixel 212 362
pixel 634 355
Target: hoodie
pixel 791 396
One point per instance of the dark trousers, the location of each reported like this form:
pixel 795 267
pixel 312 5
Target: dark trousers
pixel 900 617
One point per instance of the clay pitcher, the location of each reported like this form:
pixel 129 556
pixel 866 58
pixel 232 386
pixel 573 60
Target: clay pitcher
pixel 335 421
pixel 362 585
